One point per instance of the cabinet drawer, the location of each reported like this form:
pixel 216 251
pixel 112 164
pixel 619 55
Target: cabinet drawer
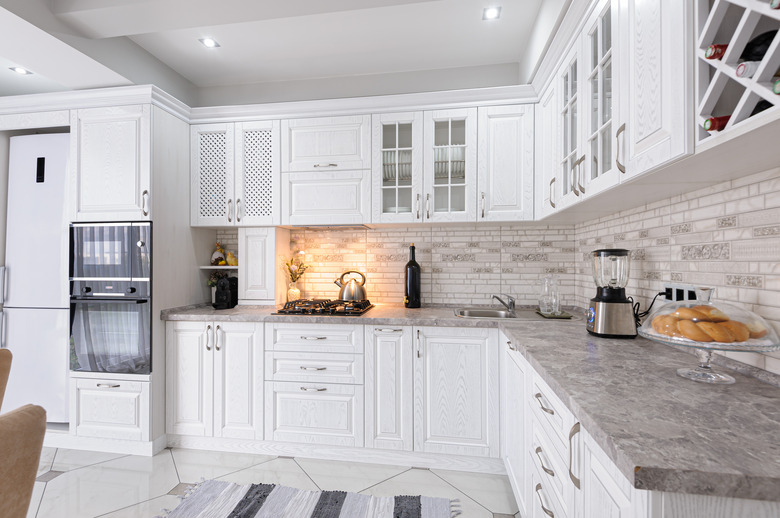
pixel 314 367
pixel 315 413
pixel 110 409
pixel 551 468
pixel 324 338
pixel 551 413
pixel 543 501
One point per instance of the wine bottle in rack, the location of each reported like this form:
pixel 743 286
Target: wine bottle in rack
pixel 716 123
pixel 747 68
pixel 774 4
pixel 754 50
pixel 762 105
pixel 715 51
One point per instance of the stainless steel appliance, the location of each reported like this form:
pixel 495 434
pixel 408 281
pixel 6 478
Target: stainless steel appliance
pixel 110 303
pixel 351 289
pixel 611 313
pixel 324 307
pixel 35 292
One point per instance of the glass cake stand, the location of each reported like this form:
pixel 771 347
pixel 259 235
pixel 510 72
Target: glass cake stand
pixel 699 324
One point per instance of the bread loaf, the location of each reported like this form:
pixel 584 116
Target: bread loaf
pixel 684 313
pixel 738 329
pixel 712 313
pixel 717 332
pixel 692 331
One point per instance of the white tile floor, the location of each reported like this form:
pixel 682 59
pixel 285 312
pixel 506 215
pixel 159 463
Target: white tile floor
pixel 85 484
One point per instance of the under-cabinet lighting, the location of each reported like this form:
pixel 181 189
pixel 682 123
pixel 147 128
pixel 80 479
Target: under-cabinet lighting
pixel 20 70
pixel 491 13
pixel 210 43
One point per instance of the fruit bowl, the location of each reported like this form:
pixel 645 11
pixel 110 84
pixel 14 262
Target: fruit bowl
pixel 707 326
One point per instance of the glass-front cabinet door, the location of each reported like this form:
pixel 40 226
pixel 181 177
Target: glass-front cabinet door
pixel 450 183
pixel 571 157
pixel 598 171
pixel 397 141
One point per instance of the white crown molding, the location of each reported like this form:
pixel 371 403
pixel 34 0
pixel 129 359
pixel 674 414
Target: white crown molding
pixel 520 94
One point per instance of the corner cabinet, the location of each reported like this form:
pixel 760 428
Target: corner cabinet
pixel 656 84
pixel 505 164
pixel 456 387
pixel 515 423
pixel 546 184
pixel 214 379
pixel 111 160
pixel 235 174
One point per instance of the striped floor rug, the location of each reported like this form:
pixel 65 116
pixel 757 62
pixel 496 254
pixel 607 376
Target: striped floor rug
pixel 218 499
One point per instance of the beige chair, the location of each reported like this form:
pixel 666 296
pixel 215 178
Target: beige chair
pixel 5 369
pixel 21 440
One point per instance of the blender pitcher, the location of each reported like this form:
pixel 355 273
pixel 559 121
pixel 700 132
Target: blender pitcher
pixel 549 296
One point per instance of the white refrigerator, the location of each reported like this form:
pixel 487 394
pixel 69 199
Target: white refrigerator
pixel 35 294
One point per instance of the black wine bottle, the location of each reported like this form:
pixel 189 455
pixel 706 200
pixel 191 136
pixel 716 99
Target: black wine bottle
pixel 412 281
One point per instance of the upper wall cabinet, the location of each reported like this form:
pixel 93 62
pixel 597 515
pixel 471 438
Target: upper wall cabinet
pixel 656 123
pixel 235 174
pixel 397 174
pixel 111 160
pixel 450 165
pixel 546 184
pixel 326 144
pixel 506 163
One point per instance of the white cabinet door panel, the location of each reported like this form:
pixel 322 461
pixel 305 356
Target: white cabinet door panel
pixel 314 367
pixel 110 409
pixel 515 425
pixel 190 380
pixel 389 386
pixel 506 163
pixel 326 144
pixel 327 338
pixel 238 380
pixel 257 174
pixel 256 264
pixel 212 179
pixel 456 391
pixel 326 198
pixel 314 413
pixel 547 186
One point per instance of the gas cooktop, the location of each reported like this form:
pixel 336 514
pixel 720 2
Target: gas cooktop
pixel 325 307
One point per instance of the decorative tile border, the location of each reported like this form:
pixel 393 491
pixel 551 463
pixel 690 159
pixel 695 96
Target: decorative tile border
pixel 714 251
pixel 727 222
pixel 683 228
pixel 766 231
pixel 750 281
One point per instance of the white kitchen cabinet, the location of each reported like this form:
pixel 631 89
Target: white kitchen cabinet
pixel 450 165
pixel 456 391
pixel 389 386
pixel 656 84
pixel 515 423
pixel 110 408
pixel 326 198
pixel 215 379
pixel 235 174
pixel 605 491
pixel 546 184
pixel 258 282
pixel 326 144
pixel 505 163
pixel 111 157
pixel 570 151
pixel 397 173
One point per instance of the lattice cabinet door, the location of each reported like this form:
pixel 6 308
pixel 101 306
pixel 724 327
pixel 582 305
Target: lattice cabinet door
pixel 213 202
pixel 257 173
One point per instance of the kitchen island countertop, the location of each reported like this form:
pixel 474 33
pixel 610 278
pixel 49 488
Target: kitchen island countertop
pixel 663 432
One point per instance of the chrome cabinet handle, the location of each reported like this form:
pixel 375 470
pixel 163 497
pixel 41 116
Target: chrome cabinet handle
pixel 538 397
pixel 579 173
pixel 547 470
pixel 483 205
pixel 107 385
pixel 511 347
pixel 230 210
pixel 314 338
pixel 238 210
pixel 620 166
pixel 548 512
pixel 428 206
pixel 389 330
pixel 208 337
pixel 216 338
pixel 313 389
pixel 574 431
pixel 418 206
pixel 144 199
pixel 326 165
pixel 552 203
pixel 418 343
pixel 303 368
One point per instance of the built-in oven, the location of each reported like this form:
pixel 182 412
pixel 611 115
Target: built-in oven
pixel 110 302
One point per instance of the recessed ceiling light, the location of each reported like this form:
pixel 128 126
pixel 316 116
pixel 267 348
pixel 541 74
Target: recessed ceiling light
pixel 491 13
pixel 209 43
pixel 20 70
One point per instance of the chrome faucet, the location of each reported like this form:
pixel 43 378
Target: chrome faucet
pixel 510 304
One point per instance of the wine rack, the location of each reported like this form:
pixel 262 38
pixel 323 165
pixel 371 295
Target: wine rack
pixel 720 91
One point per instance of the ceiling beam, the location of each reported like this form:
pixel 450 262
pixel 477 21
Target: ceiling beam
pixel 111 18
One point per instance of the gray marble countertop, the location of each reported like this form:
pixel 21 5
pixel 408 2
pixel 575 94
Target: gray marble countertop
pixel 663 432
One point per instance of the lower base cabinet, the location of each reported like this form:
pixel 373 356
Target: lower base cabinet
pixel 515 426
pixel 215 379
pixel 110 409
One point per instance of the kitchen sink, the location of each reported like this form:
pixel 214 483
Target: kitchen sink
pixel 501 314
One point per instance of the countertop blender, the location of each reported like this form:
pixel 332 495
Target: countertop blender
pixel 611 313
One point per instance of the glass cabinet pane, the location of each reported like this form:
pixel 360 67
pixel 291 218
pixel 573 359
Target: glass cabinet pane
pixel 388 136
pixel 396 168
pixel 449 166
pixel 594 103
pixel 606 33
pixel 404 135
pixel 458 133
pixel 606 108
pixel 441 130
pixel 606 148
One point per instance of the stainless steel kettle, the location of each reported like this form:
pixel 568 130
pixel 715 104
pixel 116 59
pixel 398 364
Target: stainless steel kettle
pixel 351 290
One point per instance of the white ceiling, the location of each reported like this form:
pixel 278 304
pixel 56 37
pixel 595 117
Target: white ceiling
pixel 275 42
